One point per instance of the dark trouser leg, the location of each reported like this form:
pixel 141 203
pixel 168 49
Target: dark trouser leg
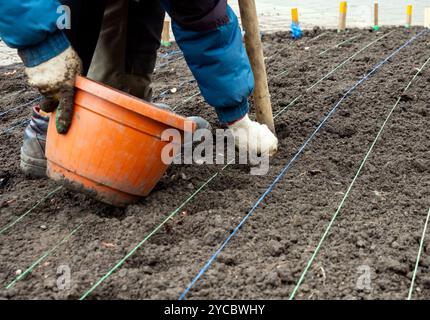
pixel 86 19
pixel 108 64
pixel 145 24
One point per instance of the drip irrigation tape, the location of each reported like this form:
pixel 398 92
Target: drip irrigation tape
pixel 149 235
pixel 161 65
pixel 348 191
pixel 195 193
pixel 318 37
pixel 186 100
pixel 345 61
pixel 288 165
pixel 10 225
pixel 420 250
pixel 21 106
pixel 350 58
pixel 14 126
pixel 313 85
pixel 41 258
pixel 181 85
pixel 280 112
pixel 169 54
pixel 340 44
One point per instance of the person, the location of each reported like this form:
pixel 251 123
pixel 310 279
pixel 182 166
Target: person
pixel 207 31
pixel 125 59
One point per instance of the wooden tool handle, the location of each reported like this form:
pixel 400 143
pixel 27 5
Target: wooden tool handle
pixel 263 106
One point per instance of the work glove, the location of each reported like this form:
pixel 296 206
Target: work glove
pixel 253 137
pixel 55 80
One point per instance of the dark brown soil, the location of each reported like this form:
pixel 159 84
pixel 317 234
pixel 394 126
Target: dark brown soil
pixel 379 227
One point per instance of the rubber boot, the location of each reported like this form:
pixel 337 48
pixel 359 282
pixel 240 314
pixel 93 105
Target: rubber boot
pixel 33 160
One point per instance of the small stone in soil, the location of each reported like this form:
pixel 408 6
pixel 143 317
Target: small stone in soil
pixel 3 182
pixel 361 244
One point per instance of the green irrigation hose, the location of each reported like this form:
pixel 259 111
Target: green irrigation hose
pixel 348 191
pixel 340 44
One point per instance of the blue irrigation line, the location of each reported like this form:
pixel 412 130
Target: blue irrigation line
pixel 14 126
pixel 171 53
pixel 21 106
pixel 182 84
pixel 161 65
pixel 287 167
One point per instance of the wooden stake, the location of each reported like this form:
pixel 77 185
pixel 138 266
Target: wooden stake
pixel 165 36
pixel 342 16
pixel 263 106
pixel 376 15
pixel 427 17
pixel 409 16
pixel 295 15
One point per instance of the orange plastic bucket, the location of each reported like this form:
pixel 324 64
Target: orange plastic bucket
pixel 113 148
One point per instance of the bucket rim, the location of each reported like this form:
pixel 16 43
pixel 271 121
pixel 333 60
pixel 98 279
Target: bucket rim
pixel 134 104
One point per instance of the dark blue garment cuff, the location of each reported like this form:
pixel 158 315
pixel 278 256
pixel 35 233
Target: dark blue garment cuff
pixel 51 47
pixel 232 114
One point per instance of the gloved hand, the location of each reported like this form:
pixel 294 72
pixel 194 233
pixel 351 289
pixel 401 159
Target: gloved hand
pixel 254 137
pixel 55 79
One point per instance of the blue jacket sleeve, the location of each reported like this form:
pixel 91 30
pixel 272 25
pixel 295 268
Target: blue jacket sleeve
pixel 31 27
pixel 219 62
